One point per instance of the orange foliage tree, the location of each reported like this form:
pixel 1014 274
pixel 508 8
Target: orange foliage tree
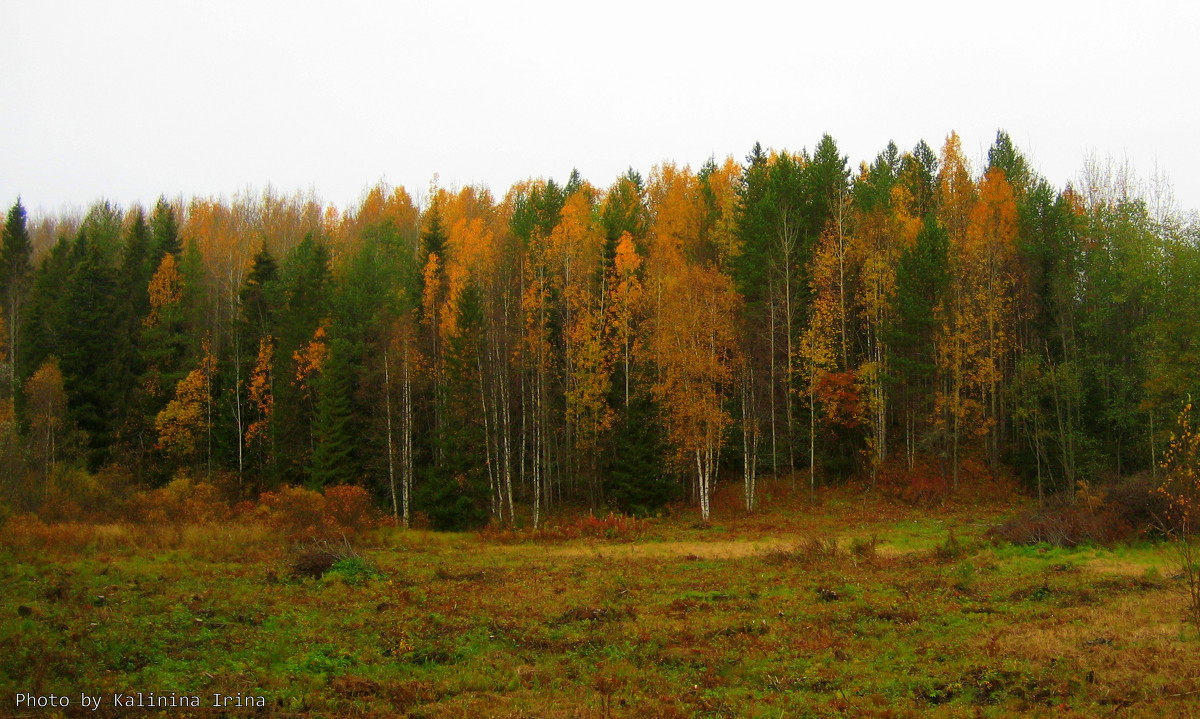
pixel 187 419
pixel 46 412
pixel 694 343
pixel 262 399
pixel 977 336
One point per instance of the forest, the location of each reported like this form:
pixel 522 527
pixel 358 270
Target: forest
pixel 913 323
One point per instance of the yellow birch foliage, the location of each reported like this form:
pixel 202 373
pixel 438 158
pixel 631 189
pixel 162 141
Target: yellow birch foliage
pixel 821 352
pixel 989 266
pixel 535 300
pixel 694 343
pixel 574 252
pixel 184 420
pixel 677 207
pixel 262 397
pixel 956 189
pixel 471 250
pixel 977 328
pixel 431 297
pixel 310 360
pixel 881 236
pixel 723 231
pixel 1181 482
pixel 575 245
pixel 46 410
pixel 591 364
pixel 165 289
pixel 625 296
pixel 382 204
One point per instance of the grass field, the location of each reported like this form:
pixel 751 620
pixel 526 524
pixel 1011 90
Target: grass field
pixel 849 606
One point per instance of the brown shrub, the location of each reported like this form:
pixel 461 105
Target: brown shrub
pixel 73 494
pixel 295 511
pixel 922 484
pixel 1104 515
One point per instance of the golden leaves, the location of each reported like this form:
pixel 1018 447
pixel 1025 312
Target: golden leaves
pixel 165 289
pixel 259 386
pixel 185 418
pixel 310 360
pixel 694 343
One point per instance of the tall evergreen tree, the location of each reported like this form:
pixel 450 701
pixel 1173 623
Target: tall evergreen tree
pixel 16 273
pixel 164 232
pixel 455 491
pixel 92 356
pixel 305 285
pixel 337 435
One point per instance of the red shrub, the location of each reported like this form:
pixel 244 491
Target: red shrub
pixel 922 484
pixel 350 506
pixel 305 514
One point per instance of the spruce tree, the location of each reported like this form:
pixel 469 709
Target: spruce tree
pixel 16 271
pixel 304 287
pixel 335 432
pixel 637 482
pixel 164 232
pixel 454 493
pixel 91 354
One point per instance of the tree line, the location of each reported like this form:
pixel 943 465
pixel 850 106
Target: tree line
pixel 478 360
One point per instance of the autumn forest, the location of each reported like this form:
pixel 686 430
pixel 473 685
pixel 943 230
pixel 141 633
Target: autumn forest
pixel 914 324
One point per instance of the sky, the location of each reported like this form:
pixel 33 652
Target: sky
pixel 126 101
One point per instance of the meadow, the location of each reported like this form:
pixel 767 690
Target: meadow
pixel 842 605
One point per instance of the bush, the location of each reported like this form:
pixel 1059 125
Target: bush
pixel 183 501
pixel 73 494
pixel 922 484
pixel 350 507
pixel 353 570
pixel 1106 515
pixel 301 513
pixel 295 511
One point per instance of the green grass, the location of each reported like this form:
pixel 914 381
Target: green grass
pixel 740 621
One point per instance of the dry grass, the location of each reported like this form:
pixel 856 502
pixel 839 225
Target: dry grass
pixel 1132 650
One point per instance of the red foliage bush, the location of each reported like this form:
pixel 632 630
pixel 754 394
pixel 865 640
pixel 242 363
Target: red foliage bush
pixel 922 484
pixel 841 398
pixel 295 511
pixel 305 514
pixel 350 506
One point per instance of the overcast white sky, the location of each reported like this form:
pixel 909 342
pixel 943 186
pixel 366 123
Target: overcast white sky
pixel 130 100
